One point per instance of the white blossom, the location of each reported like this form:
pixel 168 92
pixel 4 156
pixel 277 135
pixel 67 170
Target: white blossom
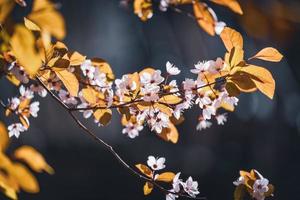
pixel 203 124
pixel 88 69
pixel 156 163
pixel 26 93
pixel 191 187
pixel 132 130
pixel 66 97
pixel 15 129
pixel 239 181
pixel 172 69
pixel 34 108
pixel 14 103
pixel 158 122
pixel 221 118
pixel 39 89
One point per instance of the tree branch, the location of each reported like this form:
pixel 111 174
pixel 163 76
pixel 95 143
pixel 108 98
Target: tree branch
pixel 109 147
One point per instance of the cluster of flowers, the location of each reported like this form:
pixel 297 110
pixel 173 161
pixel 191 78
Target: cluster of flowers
pixel 22 105
pixel 149 97
pixel 189 187
pixel 255 184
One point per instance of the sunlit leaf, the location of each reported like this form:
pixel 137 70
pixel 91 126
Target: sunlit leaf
pixel 31 25
pixel 239 192
pixel 23 46
pixel 165 177
pixel 24 178
pixel 3 137
pixel 170 134
pixel 262 78
pixel 69 80
pixel 33 158
pixel 170 99
pixel 204 17
pixel 232 4
pixel 145 170
pixel 268 54
pixel 103 116
pixel 143 9
pixel 148 187
pixel 8 191
pixel 45 15
pixel 231 38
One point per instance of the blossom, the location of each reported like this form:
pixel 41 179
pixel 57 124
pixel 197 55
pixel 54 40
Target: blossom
pixel 261 186
pixel 150 93
pixel 221 118
pixel 189 84
pixel 26 93
pixel 177 182
pixel 39 89
pixel 158 122
pixel 204 66
pixel 171 69
pixel 155 78
pixel 99 79
pixel 203 99
pixel 66 97
pixel 171 196
pixel 88 69
pixel 203 124
pixel 163 5
pixel 208 111
pixel 191 187
pixel 14 103
pixel 15 129
pixel 124 85
pixel 19 72
pixel 156 163
pixel 132 130
pixel 86 113
pixel 34 108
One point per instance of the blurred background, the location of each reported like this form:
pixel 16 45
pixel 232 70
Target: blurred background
pixel 261 134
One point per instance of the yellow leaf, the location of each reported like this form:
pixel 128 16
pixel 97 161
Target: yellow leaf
pixel 33 158
pixel 23 47
pixel 89 95
pixel 143 9
pixel 204 17
pixel 103 116
pixel 231 38
pixel 166 177
pixel 170 99
pixel 69 80
pixel 268 54
pixel 3 137
pixel 31 25
pixel 5 9
pixel 24 178
pixel 145 170
pixel 262 78
pixel 243 82
pixel 170 134
pixel 58 64
pixel 148 187
pixel 45 15
pixel 8 191
pixel 75 58
pixel 235 58
pixel 232 4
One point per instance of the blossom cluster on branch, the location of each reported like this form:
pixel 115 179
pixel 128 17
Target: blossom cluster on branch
pixel 150 97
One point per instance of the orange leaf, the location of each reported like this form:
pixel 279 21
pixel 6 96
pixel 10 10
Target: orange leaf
pixel 103 116
pixel 268 54
pixel 3 137
pixel 170 134
pixel 33 158
pixel 204 17
pixel 166 177
pixel 148 187
pixel 231 38
pixel 145 170
pixel 262 78
pixel 232 4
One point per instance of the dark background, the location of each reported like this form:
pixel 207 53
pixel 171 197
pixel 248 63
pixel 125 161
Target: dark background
pixel 261 134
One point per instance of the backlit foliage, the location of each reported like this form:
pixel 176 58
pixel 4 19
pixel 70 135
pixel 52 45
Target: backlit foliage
pixel 148 98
